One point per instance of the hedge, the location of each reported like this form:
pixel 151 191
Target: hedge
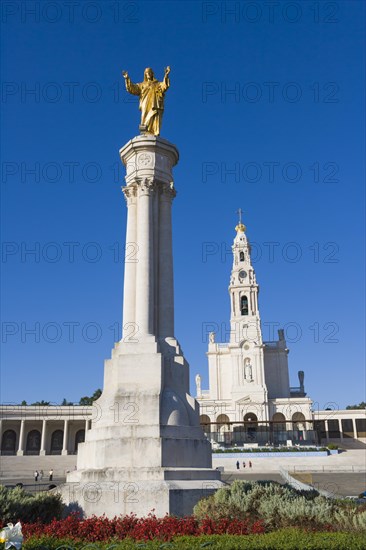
pixel 285 539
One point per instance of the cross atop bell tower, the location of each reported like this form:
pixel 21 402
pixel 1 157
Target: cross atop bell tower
pixel 240 213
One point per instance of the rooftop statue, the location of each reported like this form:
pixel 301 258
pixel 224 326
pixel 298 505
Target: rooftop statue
pixel 151 93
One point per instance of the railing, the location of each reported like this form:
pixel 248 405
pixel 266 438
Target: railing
pixel 263 437
pixel 300 486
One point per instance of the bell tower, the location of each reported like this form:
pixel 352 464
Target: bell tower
pixel 243 290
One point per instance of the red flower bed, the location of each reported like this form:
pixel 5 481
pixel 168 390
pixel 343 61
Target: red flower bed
pixel 101 529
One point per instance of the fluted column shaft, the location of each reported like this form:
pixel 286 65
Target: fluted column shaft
pixel 131 259
pixel 166 287
pixel 144 268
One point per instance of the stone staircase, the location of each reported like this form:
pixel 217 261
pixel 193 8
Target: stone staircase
pixel 22 468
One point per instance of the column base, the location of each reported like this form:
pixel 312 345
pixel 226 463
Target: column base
pixel 20 453
pixel 64 452
pixel 42 453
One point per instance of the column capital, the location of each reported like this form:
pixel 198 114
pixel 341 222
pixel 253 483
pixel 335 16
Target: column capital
pixel 168 193
pixel 130 193
pixel 146 186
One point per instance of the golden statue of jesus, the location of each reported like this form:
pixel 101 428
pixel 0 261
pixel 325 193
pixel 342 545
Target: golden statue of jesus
pixel 151 93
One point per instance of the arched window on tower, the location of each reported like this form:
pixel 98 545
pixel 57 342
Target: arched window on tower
pixel 244 305
pixel 241 256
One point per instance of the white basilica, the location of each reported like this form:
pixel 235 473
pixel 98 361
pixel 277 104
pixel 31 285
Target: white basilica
pixel 250 399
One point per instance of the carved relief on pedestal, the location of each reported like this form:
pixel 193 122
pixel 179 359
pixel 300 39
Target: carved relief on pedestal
pixel 144 159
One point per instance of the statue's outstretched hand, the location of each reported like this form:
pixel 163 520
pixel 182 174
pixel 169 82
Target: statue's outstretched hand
pixel 125 74
pixel 167 70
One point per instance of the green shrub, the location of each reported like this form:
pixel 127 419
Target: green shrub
pixel 281 506
pixel 332 446
pixel 16 504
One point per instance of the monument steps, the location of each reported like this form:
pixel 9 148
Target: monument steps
pixel 23 467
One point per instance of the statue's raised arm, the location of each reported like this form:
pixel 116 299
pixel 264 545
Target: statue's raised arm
pixel 130 86
pixel 151 93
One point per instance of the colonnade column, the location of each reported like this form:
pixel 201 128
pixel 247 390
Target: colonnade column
pixel 166 287
pixel 326 430
pixel 340 429
pixel 21 438
pixel 354 428
pixel 144 267
pixel 131 258
pixel 43 438
pixel 66 438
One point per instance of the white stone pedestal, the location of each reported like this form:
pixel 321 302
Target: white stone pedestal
pixel 146 450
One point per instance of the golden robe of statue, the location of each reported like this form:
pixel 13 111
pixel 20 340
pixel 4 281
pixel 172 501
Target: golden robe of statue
pixel 151 93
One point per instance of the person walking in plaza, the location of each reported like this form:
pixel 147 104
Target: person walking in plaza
pixel 237 465
pixel 250 464
pixel 244 464
pixel 40 475
pixel 51 475
pixel 36 474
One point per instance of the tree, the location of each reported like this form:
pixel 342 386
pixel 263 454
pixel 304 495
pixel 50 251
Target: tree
pixel 65 402
pixel 42 403
pixel 89 400
pixel 361 405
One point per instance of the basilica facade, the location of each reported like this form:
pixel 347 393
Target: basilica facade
pixel 250 400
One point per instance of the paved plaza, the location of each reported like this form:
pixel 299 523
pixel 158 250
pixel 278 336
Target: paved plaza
pixel 343 474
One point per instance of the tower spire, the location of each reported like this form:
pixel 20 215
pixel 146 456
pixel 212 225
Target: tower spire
pixel 240 227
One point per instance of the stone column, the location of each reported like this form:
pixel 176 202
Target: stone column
pixel 66 437
pixel 20 451
pixel 144 268
pixel 43 438
pixel 340 429
pixel 326 430
pixel 1 433
pixel 166 288
pixel 354 428
pixel 131 258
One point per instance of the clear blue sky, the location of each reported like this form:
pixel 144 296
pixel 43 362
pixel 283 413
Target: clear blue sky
pixel 274 93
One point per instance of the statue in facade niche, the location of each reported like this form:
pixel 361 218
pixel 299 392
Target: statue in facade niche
pixel 212 337
pixel 151 93
pixel 248 371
